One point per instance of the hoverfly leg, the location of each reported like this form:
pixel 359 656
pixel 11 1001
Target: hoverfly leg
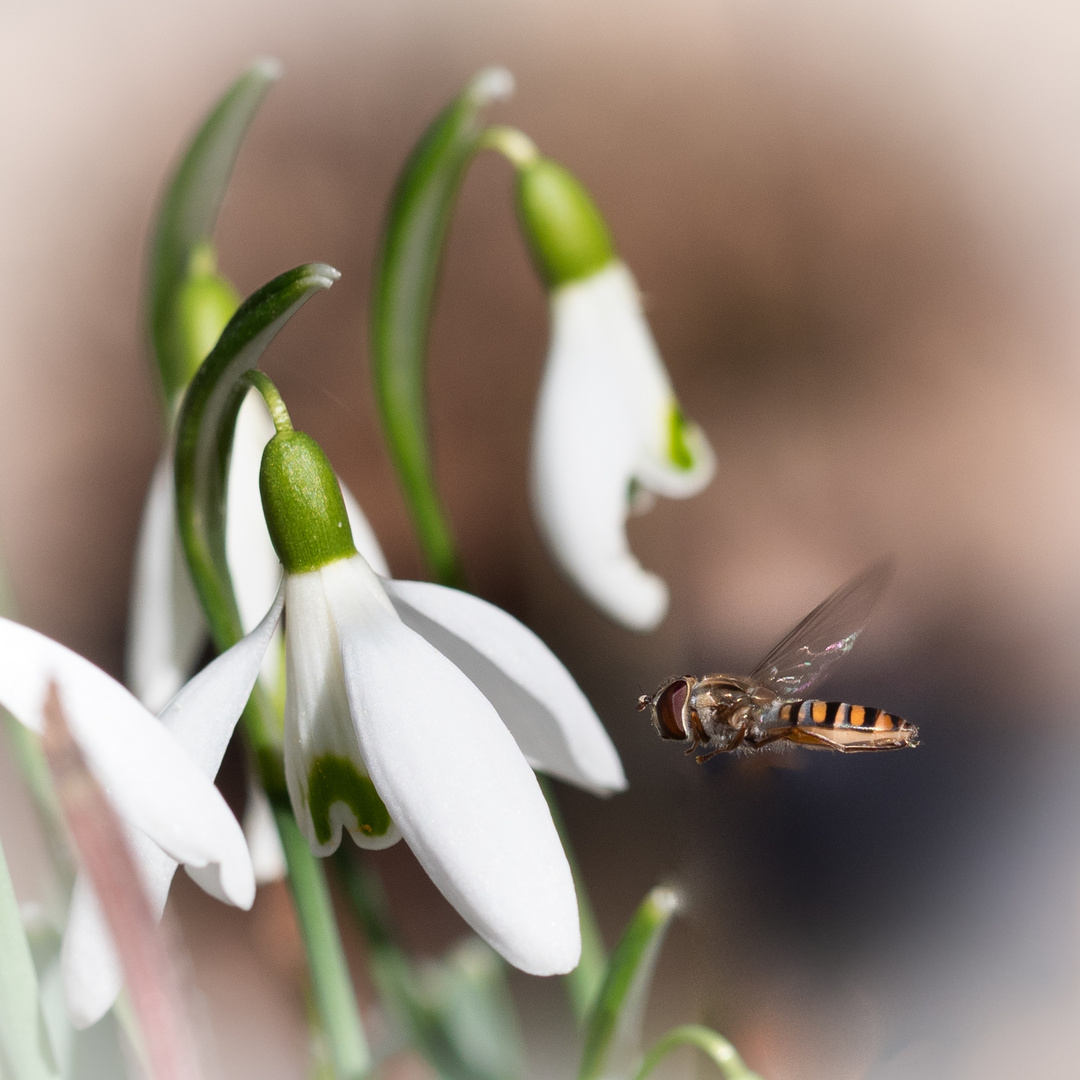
pixel 702 758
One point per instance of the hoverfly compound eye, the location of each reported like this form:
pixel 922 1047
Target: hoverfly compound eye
pixel 668 710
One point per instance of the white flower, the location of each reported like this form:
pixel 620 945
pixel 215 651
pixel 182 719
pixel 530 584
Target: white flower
pixel 163 792
pixel 388 732
pixel 415 711
pixel 608 428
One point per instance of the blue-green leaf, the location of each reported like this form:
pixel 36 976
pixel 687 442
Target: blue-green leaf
pixel 613 1035
pixel 406 275
pixel 190 207
pixel 25 1053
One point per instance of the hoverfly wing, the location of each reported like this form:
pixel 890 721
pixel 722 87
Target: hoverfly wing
pixel 804 656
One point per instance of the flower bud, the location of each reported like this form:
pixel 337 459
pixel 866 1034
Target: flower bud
pixel 205 303
pixel 302 501
pixel 567 236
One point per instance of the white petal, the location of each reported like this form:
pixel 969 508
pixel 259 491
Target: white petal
pixel 264 843
pixel 149 778
pixel 455 782
pixel 537 698
pixel 89 964
pixel 201 718
pixel 367 543
pixel 253 563
pixel 166 628
pixel 319 734
pixel 203 715
pixel 604 420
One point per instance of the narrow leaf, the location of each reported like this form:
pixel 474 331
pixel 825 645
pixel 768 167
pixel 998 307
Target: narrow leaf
pixel 715 1047
pixel 406 276
pixel 205 434
pixel 25 1053
pixel 613 1036
pixel 95 830
pixel 190 207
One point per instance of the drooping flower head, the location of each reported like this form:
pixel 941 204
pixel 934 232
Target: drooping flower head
pixel 609 430
pixel 388 732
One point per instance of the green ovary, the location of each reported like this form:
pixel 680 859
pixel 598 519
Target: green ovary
pixel 333 779
pixel 679 452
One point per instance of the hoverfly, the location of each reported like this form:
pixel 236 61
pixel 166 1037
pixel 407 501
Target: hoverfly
pixel 723 712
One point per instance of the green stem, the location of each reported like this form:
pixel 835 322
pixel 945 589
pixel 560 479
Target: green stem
pixel 583 983
pixel 330 977
pixel 715 1047
pixel 272 396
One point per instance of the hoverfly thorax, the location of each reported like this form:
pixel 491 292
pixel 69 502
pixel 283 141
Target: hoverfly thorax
pixel 723 706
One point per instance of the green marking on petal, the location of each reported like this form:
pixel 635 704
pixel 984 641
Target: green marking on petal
pixel 332 779
pixel 679 452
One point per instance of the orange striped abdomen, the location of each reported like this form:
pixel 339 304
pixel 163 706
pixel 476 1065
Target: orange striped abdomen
pixel 839 715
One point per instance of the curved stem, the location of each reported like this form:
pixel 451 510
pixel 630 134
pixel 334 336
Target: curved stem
pixel 272 396
pixel 715 1047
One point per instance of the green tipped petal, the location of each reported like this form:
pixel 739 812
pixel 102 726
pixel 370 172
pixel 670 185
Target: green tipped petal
pixel 333 778
pixel 567 236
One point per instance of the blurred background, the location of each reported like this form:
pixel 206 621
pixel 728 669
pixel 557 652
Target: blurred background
pixel 857 227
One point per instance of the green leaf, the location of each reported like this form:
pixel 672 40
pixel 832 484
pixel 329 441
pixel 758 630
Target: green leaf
pixel 406 276
pixel 25 1053
pixel 613 1035
pixel 715 1047
pixel 205 431
pixel 189 210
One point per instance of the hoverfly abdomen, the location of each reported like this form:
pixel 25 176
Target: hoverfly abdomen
pixel 839 726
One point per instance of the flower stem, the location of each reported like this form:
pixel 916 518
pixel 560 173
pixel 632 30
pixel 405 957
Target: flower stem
pixel 272 396
pixel 330 977
pixel 722 1054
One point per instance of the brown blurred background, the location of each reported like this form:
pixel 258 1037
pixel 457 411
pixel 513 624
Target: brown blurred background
pixel 858 230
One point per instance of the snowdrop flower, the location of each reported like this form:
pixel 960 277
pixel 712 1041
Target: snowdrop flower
pixel 609 431
pixel 416 711
pixel 163 792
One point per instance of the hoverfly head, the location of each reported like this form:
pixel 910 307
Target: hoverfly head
pixel 670 714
